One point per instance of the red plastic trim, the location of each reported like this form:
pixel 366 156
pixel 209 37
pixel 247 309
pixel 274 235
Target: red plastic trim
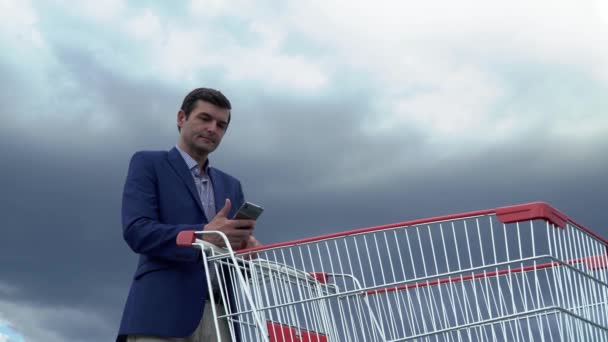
pixel 596 262
pixel 531 211
pixel 186 238
pixel 283 333
pixel 319 276
pixel 310 336
pixel 280 333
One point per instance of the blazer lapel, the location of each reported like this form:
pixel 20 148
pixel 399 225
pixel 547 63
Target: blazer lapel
pixel 179 165
pixel 218 190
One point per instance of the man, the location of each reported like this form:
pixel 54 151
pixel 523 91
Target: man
pixel 167 192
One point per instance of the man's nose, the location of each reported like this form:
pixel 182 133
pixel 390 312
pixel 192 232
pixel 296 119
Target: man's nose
pixel 212 127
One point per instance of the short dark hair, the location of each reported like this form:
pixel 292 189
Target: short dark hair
pixel 215 97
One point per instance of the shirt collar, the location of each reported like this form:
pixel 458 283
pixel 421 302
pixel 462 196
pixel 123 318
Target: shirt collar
pixel 191 163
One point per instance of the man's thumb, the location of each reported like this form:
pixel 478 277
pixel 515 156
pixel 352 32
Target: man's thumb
pixel 226 209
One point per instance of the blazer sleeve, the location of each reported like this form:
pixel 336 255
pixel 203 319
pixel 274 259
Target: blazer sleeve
pixel 140 219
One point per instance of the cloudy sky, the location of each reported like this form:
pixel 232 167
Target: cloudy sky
pixel 346 114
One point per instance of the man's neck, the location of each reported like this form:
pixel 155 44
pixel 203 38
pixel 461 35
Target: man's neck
pixel 201 159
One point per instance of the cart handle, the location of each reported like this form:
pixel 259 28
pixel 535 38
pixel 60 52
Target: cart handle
pixel 186 238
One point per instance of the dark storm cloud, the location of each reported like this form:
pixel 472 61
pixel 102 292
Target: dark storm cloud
pixel 62 243
pixel 446 188
pixel 61 227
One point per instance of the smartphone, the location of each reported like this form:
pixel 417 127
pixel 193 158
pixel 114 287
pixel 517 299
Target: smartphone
pixel 248 211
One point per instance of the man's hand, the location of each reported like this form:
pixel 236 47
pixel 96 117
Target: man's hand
pixel 252 242
pixel 237 231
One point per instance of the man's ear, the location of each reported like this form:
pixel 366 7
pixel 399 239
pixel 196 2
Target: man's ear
pixel 181 117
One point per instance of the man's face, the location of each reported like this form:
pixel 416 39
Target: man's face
pixel 204 129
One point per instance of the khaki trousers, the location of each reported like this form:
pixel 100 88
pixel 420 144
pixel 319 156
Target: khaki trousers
pixel 205 332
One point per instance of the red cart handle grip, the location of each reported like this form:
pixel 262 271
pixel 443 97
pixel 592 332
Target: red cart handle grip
pixel 186 238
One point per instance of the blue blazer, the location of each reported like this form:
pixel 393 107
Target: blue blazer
pixel 169 288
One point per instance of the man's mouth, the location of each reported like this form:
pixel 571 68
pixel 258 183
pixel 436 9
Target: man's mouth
pixel 208 139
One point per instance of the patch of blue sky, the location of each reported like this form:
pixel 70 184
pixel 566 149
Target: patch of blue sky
pixel 8 334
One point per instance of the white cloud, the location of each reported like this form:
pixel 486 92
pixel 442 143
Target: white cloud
pixel 436 64
pixel 211 8
pixel 145 25
pixel 439 62
pixel 103 9
pixel 591 127
pixel 265 63
pixel 454 107
pixel 17 12
pixel 100 11
pixel 18 23
pixel 183 52
pixel 363 26
pixel 601 10
pixel 278 71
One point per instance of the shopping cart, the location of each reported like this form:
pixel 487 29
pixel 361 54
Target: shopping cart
pixel 518 273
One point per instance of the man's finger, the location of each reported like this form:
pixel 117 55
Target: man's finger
pixel 253 242
pixel 225 210
pixel 243 224
pixel 241 233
